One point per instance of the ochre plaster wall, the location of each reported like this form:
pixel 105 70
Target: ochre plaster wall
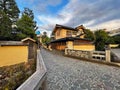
pixel 88 47
pixel 10 55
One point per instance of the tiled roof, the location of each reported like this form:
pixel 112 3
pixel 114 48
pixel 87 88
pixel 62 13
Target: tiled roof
pixel 12 43
pixel 66 27
pixel 28 39
pixel 69 39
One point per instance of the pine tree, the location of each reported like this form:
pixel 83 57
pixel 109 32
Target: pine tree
pixel 5 26
pixel 101 37
pixel 30 13
pixel 9 14
pixel 26 25
pixel 9 7
pixel 89 35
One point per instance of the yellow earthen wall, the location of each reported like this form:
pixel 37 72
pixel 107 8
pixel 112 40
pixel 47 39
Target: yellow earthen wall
pixel 70 44
pixel 114 45
pixel 10 55
pixel 84 47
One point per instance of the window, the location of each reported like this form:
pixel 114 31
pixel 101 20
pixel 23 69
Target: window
pixel 58 32
pixel 68 34
pixel 74 32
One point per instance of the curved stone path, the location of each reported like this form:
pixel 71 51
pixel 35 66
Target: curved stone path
pixel 72 74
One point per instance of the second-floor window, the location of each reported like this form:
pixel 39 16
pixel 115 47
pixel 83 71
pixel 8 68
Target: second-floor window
pixel 58 33
pixel 74 32
pixel 68 33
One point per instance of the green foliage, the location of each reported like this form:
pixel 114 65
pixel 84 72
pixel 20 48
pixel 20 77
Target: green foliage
pixel 26 25
pixel 5 26
pixel 116 39
pixel 110 40
pixel 9 14
pixel 100 39
pixel 45 38
pixel 28 12
pixel 9 7
pixel 89 35
pixel 113 40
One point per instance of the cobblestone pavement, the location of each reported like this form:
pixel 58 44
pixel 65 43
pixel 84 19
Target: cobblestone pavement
pixel 66 73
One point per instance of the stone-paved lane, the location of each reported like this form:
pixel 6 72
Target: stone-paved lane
pixel 71 74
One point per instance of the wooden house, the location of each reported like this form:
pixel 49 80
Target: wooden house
pixel 71 38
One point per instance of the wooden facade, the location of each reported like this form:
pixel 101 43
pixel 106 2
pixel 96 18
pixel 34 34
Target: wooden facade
pixel 72 38
pixel 58 45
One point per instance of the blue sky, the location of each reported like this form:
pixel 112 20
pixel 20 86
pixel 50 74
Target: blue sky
pixel 93 14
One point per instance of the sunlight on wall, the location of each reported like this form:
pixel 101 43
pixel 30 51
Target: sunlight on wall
pixel 10 55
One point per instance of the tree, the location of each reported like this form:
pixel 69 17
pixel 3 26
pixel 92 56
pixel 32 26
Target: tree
pixel 100 39
pixel 9 7
pixel 5 26
pixel 26 25
pixel 110 40
pixel 45 38
pixel 89 35
pixel 28 12
pixel 9 13
pixel 116 39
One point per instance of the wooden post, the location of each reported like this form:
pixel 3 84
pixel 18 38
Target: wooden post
pixel 65 51
pixel 90 55
pixel 107 52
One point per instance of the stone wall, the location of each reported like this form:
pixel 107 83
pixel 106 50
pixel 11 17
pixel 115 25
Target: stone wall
pixel 91 55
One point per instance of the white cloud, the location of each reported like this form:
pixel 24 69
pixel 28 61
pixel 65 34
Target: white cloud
pixel 109 25
pixel 53 20
pixel 48 32
pixel 89 23
pixel 94 15
pixel 49 22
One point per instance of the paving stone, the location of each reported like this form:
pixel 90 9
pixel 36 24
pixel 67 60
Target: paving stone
pixel 64 73
pixel 106 77
pixel 117 87
pixel 109 84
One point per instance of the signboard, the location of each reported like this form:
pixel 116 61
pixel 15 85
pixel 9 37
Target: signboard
pixel 37 32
